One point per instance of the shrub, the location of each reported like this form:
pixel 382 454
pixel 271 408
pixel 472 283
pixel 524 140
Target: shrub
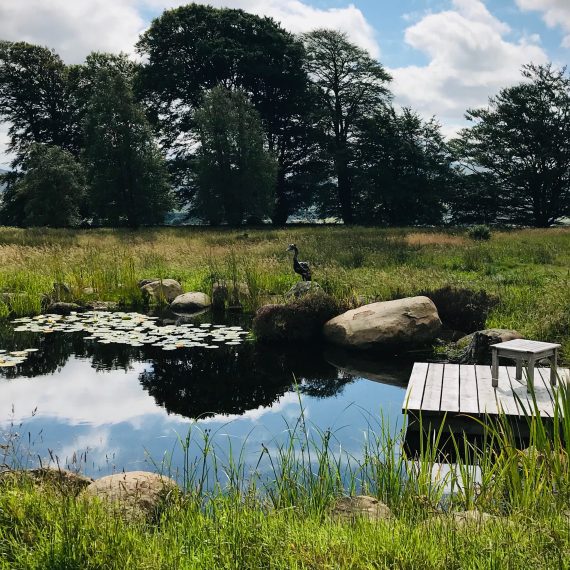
pixel 462 309
pixel 480 232
pixel 297 321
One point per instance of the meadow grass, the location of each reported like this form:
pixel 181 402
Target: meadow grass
pixel 283 520
pixel 529 270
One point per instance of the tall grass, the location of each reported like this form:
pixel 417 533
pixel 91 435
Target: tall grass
pixel 280 517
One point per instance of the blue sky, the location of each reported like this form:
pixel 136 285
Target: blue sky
pixel 444 55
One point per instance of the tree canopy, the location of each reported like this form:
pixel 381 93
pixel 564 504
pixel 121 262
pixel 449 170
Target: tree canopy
pixel 235 174
pixel 522 142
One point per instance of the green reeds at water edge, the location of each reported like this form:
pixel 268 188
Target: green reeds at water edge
pixel 278 515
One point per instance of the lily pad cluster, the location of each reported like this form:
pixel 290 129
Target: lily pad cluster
pixel 134 329
pixel 11 359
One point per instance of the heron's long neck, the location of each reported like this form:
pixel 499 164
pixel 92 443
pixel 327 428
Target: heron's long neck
pixel 295 254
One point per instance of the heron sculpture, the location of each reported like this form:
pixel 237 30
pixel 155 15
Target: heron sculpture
pixel 300 267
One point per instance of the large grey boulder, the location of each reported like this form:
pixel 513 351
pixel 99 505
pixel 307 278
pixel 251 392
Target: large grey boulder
pixel 164 290
pixel 410 321
pixel 134 493
pixel 190 303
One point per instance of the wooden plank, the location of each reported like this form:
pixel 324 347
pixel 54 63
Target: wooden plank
pixel 432 393
pixel 544 392
pixel 505 392
pixel 468 398
pixel 485 391
pixel 416 384
pixel 450 389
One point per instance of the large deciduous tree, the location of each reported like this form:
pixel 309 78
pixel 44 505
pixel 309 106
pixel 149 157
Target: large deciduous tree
pixel 195 48
pixel 351 85
pixel 235 174
pixel 35 99
pixel 50 193
pixel 126 171
pixel 405 171
pixel 521 141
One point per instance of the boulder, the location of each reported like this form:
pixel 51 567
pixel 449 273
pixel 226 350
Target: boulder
pixel 349 508
pixel 164 290
pixel 61 308
pixel 68 483
pixel 190 303
pixel 477 346
pixel 410 321
pixel 135 493
pixel 472 517
pixel 303 288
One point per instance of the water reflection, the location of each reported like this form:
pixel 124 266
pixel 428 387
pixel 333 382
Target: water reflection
pixel 129 403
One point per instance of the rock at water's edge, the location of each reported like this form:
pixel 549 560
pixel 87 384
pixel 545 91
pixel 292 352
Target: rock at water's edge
pixel 303 288
pixel 167 290
pixel 409 321
pixel 134 492
pixel 190 303
pixel 349 508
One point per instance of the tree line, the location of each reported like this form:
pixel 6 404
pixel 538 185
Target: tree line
pixel 235 120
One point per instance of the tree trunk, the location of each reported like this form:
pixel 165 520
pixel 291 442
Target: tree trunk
pixel 344 187
pixel 281 208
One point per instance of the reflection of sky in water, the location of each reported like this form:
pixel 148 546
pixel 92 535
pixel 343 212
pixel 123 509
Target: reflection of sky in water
pixel 110 415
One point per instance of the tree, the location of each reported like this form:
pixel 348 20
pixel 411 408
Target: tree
pixel 195 48
pixel 235 174
pixel 127 175
pixel 351 85
pixel 51 191
pixel 405 171
pixel 35 99
pixel 522 141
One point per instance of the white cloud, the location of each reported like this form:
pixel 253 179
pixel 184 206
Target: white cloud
pixel 470 59
pixel 76 27
pixel 555 13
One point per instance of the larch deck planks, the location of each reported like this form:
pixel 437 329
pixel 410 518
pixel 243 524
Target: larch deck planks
pixel 437 388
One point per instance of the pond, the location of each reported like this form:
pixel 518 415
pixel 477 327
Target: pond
pixel 103 405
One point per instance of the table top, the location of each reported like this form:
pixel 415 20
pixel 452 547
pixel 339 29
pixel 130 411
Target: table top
pixel 523 345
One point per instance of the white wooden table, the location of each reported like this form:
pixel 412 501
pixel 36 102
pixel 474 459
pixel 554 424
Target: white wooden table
pixel 529 351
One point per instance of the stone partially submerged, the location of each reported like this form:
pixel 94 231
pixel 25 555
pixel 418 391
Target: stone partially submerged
pixel 162 290
pixel 409 321
pixel 190 303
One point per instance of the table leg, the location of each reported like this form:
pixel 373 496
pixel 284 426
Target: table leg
pixel 495 367
pixel 530 376
pixel 554 367
pixel 518 375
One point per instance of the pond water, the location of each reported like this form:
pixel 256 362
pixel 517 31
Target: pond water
pixel 108 407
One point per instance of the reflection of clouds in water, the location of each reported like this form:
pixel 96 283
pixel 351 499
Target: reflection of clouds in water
pixel 78 394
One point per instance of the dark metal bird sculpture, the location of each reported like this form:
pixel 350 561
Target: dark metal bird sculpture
pixel 300 267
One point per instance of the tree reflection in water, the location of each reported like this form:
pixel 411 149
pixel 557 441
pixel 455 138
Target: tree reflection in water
pixel 193 382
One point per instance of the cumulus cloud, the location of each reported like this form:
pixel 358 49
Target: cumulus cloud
pixel 555 13
pixel 470 58
pixel 75 28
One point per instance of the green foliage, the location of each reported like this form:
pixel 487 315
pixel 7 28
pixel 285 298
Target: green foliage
pixel 350 84
pixel 52 190
pixel 194 48
pixel 521 143
pixel 127 174
pixel 404 173
pixel 235 175
pixel 480 232
pixel 35 99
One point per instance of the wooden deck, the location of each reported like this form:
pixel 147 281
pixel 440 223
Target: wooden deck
pixel 436 389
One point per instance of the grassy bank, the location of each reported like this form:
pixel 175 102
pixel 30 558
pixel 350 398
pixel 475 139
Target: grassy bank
pixel 286 519
pixel 527 269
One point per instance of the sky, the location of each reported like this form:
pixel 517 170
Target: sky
pixel 444 55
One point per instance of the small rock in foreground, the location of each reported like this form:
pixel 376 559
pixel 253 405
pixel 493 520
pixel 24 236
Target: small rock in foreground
pixel 349 508
pixel 135 493
pixel 190 303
